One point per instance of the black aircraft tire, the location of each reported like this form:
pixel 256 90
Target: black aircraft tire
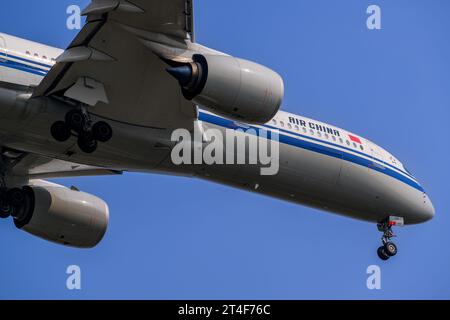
pixel 390 249
pixel 87 143
pixel 76 120
pixel 382 254
pixel 60 131
pixel 102 131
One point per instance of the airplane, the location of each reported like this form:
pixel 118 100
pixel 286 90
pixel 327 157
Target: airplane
pixel 110 102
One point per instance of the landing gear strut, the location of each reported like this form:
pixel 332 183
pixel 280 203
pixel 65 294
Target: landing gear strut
pixel 388 249
pixel 78 123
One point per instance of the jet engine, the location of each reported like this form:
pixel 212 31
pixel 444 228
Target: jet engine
pixel 63 216
pixel 235 88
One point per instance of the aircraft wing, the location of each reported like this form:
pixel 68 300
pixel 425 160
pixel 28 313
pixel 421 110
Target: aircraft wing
pixel 111 65
pixel 32 166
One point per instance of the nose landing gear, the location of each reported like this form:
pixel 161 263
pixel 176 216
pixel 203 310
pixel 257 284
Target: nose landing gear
pixel 388 249
pixel 78 123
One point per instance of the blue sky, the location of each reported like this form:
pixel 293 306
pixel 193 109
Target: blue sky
pixel 176 238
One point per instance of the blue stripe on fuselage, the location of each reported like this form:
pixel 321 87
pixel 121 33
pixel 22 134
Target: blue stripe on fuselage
pixel 314 147
pixel 4 56
pixel 339 146
pixel 228 123
pixel 23 67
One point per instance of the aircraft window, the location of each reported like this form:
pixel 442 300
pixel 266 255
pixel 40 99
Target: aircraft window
pixel 348 142
pixel 355 145
pixel 327 136
pixel 297 128
pixel 312 132
pixel 44 57
pixel 290 126
pixel 319 134
pixel 362 148
pixel 282 124
pixel 304 130
pixel 274 122
pixel 36 55
pixel 341 141
pixel 28 53
pixel 53 59
pixel 334 138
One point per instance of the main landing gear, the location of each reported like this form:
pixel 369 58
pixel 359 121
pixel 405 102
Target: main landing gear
pixel 388 249
pixel 13 202
pixel 78 123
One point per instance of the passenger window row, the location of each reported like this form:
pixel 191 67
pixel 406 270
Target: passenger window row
pixel 319 134
pixel 36 55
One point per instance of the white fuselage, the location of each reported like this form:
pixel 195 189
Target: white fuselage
pixel 321 166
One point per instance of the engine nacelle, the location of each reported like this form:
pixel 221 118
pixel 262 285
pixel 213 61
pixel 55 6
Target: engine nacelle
pixel 235 88
pixel 64 216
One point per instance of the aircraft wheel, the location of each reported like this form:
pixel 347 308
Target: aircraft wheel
pixel 391 249
pixel 87 143
pixel 5 210
pixel 102 131
pixel 60 131
pixel 76 120
pixel 16 197
pixel 382 254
